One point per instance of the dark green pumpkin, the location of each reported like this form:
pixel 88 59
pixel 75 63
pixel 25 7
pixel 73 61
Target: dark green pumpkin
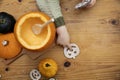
pixel 7 22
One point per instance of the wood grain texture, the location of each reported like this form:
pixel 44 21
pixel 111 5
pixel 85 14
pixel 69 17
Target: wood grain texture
pixel 96 31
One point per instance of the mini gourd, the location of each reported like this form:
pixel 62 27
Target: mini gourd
pixel 48 67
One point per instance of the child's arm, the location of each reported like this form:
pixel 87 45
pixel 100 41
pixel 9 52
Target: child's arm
pixel 44 7
pixel 53 9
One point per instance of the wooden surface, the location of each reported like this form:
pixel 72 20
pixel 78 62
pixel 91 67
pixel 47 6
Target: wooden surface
pixel 96 31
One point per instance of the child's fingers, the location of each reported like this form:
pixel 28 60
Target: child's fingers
pixel 68 46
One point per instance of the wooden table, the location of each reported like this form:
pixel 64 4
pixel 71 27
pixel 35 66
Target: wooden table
pixel 96 31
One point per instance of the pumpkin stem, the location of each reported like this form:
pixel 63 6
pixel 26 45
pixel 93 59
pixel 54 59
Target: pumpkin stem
pixel 5 42
pixel 47 65
pixel 2 21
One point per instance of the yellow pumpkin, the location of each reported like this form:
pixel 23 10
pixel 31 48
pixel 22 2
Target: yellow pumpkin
pixel 9 47
pixel 48 67
pixel 28 38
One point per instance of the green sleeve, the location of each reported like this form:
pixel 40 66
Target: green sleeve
pixel 53 9
pixel 44 7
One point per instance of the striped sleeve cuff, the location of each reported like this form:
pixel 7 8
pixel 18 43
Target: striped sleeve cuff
pixel 59 21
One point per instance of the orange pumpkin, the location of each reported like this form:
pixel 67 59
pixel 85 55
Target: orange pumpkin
pixel 26 36
pixel 9 47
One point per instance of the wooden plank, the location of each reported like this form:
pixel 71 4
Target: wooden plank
pixel 96 31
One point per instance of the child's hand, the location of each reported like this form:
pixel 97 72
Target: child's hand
pixel 63 38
